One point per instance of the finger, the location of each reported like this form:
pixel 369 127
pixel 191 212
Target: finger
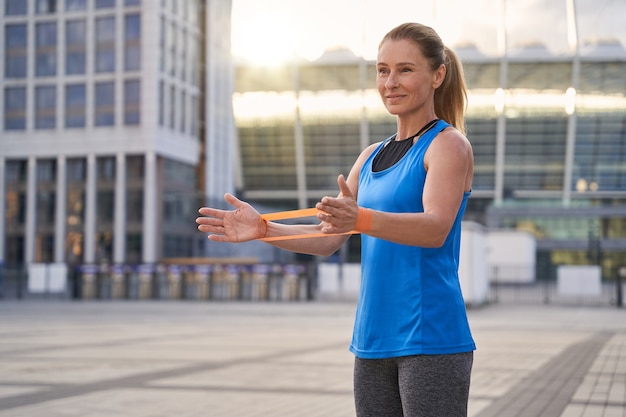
pixel 211 212
pixel 343 186
pixel 233 201
pixel 219 238
pixel 209 221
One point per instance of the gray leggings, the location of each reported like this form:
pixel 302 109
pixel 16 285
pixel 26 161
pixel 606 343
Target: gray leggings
pixel 413 386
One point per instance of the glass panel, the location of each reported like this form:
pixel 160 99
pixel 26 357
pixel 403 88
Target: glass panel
pixel 104 211
pixel 134 168
pixel 163 44
pixel 76 170
pixel 106 169
pixel 105 4
pixel 75 104
pixel 15 45
pixel 132 97
pixel 183 112
pixel 105 104
pixel 75 47
pixel 15 7
pixel 600 153
pixel 134 205
pixel 105 44
pixel 45 107
pixel 172 35
pixel 534 154
pixel 15 108
pixel 172 101
pixel 45 6
pixel 71 5
pixel 268 156
pixel 161 103
pixel 46 52
pixel 132 42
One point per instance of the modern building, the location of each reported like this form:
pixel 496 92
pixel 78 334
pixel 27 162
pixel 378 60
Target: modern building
pixel 109 107
pixel 548 133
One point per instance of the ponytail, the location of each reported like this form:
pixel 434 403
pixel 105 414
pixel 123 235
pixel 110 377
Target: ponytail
pixel 451 96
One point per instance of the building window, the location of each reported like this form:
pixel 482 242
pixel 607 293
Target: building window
pixel 133 248
pixel 161 103
pixel 76 170
pixel 105 104
pixel 183 111
pixel 71 5
pixel 132 99
pixel 15 198
pixel 45 6
pixel 172 100
pixel 134 205
pixel 106 169
pixel 15 44
pixel 172 35
pixel 105 206
pixel 15 7
pixel 46 171
pixel 45 107
pixel 75 103
pixel 15 108
pixel 75 47
pixel 105 4
pixel 46 49
pixel 182 61
pixel 195 117
pixel 132 2
pixel 105 44
pixel 132 42
pixel 163 44
pixel 135 168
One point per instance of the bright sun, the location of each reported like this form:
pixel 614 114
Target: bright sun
pixel 264 40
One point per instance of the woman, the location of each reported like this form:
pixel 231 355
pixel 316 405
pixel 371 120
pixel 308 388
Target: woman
pixel 406 195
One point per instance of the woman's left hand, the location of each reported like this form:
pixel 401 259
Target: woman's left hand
pixel 338 214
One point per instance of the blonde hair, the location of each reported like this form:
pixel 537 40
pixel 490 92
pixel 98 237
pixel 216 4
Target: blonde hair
pixel 451 96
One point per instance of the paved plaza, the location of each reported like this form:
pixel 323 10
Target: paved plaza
pixel 244 359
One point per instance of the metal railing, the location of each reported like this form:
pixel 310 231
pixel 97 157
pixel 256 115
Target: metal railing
pixel 254 282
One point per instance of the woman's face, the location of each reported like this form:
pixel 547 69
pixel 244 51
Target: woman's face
pixel 404 79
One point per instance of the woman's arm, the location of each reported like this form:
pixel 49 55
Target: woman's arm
pixel 449 165
pixel 244 223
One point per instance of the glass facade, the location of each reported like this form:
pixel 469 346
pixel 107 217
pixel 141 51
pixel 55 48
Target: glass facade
pixel 528 121
pixel 73 73
pixel 48 58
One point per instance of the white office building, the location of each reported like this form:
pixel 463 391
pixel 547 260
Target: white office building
pixel 108 107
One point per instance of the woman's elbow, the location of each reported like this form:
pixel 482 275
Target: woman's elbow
pixel 436 240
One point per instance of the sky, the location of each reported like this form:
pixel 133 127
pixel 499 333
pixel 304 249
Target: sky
pixel 272 31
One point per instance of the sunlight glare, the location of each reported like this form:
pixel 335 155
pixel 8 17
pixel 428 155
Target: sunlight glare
pixel 266 40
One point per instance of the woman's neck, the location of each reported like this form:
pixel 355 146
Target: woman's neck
pixel 410 127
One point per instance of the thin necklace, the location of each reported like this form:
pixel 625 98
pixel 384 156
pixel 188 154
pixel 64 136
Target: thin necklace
pixel 422 130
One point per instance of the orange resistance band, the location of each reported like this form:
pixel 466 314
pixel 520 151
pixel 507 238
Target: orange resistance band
pixel 294 214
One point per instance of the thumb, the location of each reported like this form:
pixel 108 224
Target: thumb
pixel 343 187
pixel 233 201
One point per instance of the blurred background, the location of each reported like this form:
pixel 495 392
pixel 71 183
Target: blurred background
pixel 122 117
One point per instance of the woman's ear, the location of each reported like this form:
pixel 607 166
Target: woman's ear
pixel 440 75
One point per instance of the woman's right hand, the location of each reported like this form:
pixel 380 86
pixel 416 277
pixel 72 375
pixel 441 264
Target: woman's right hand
pixel 233 226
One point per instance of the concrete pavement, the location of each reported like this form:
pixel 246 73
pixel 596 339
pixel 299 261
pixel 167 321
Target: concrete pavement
pixel 244 359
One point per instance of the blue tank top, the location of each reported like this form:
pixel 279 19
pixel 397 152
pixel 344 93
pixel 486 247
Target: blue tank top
pixel 410 299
